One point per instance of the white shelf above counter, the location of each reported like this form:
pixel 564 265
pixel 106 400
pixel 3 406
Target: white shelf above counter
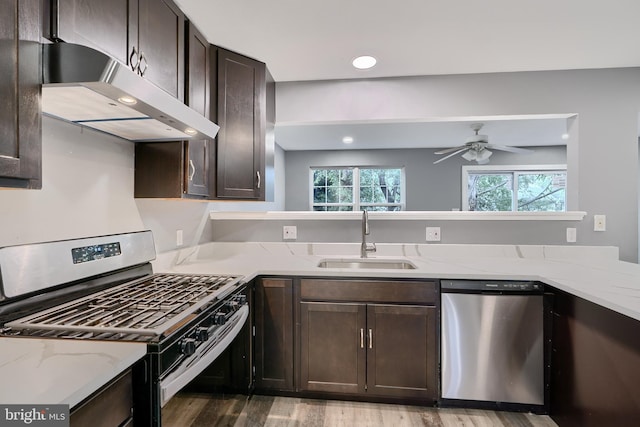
pixel 401 215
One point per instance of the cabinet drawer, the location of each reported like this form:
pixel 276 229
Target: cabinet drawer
pixel 369 290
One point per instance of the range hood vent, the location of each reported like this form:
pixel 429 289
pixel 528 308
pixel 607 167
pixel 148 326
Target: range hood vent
pixel 86 87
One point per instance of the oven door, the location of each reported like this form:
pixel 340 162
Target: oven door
pixel 220 337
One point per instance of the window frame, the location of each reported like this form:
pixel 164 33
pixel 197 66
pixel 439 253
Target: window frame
pixel 357 205
pixel 506 169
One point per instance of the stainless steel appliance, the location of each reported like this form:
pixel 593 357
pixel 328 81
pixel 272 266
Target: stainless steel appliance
pixel 493 344
pixel 103 288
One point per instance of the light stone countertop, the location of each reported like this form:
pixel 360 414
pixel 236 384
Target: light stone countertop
pixel 590 272
pixel 57 371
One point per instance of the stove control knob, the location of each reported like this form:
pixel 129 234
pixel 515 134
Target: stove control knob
pixel 202 334
pixel 188 346
pixel 242 299
pixel 220 318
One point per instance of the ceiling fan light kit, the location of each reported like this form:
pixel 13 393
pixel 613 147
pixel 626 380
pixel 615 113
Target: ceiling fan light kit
pixel 475 148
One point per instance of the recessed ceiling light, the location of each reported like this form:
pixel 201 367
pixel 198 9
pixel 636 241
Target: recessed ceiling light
pixel 190 131
pixel 565 136
pixel 347 139
pixel 364 62
pixel 128 100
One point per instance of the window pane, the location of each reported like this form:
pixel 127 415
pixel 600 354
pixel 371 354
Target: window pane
pixel 332 195
pixel 319 195
pixel 320 177
pixel 542 192
pixel 346 195
pixel 490 192
pixel 346 177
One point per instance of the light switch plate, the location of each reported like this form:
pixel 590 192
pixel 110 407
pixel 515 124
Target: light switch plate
pixel 571 235
pixel 599 223
pixel 179 238
pixel 433 234
pixel 289 232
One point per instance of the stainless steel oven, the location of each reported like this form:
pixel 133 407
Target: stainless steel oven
pixel 103 288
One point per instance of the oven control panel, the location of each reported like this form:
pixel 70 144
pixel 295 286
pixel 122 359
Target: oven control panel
pixel 95 252
pixel 207 329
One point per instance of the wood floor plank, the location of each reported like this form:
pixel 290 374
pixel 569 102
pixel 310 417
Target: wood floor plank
pixel 182 410
pixel 199 410
pixel 256 411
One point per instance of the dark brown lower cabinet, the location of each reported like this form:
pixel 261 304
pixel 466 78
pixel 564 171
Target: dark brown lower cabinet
pixel 110 406
pixel 386 350
pixel 274 334
pixel 401 350
pixel 595 368
pixel 333 354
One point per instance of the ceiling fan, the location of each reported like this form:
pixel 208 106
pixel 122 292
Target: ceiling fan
pixel 476 148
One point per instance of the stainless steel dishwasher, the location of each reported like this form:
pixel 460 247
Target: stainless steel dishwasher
pixel 493 345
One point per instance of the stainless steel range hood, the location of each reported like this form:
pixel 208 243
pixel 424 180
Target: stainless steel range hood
pixel 86 87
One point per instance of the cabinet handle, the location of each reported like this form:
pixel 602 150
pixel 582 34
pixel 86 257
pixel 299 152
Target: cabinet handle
pixel 259 180
pixel 134 55
pixel 141 63
pixel 370 338
pixel 361 338
pixel 193 170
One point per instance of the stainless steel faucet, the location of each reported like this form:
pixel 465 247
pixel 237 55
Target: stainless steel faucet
pixel 364 246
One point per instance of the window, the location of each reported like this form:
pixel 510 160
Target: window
pixel 375 189
pixel 514 188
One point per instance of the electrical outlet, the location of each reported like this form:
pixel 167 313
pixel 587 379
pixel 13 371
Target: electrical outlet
pixel 179 238
pixel 289 232
pixel 571 235
pixel 599 223
pixel 433 234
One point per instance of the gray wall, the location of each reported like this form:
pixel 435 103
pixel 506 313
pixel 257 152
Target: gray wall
pixel 429 187
pixel 602 152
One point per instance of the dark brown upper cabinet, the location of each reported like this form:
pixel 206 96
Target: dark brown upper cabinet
pixel 241 114
pixel 180 169
pixel 20 116
pixel 146 35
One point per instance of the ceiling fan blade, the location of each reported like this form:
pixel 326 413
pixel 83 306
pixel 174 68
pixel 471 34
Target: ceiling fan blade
pixel 449 150
pixel 460 150
pixel 510 149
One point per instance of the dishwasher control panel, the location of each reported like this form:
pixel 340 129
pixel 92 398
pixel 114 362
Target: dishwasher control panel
pixel 491 286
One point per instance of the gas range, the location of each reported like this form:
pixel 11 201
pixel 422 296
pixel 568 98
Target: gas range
pixel 103 288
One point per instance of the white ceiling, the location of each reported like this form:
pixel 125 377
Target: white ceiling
pixel 512 131
pixel 303 40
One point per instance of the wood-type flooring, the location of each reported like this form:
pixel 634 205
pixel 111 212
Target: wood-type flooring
pixel 200 410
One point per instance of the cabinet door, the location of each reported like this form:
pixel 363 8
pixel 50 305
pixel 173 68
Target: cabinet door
pixel 20 118
pixel 401 350
pixel 197 97
pixel 241 116
pixel 161 45
pixel 332 348
pixel 103 25
pixel 274 334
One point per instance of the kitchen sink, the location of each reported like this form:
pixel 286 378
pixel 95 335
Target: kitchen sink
pixel 391 264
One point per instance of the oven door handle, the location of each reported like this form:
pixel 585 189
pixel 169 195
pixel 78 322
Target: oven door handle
pixel 197 363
